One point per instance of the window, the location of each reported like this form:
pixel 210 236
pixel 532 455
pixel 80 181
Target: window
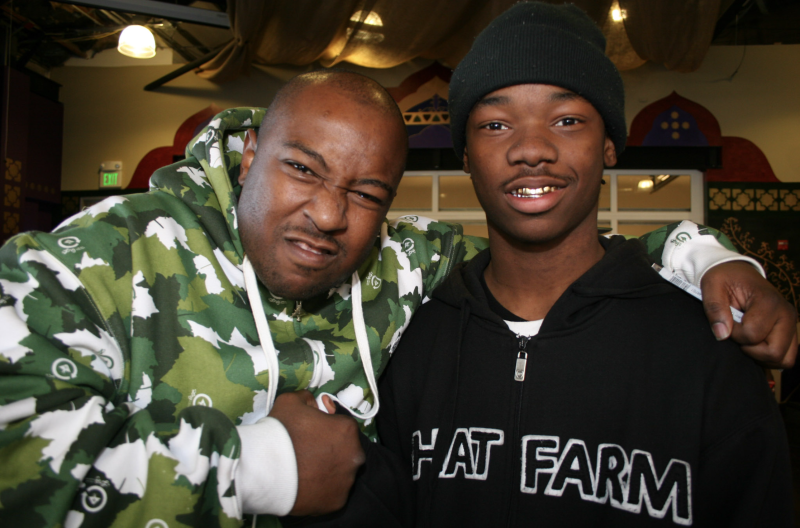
pixel 442 195
pixel 632 202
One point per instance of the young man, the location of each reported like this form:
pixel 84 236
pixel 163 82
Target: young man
pixel 146 339
pixel 556 379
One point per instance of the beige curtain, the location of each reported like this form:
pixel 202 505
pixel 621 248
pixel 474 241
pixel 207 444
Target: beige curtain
pixel 385 33
pixel 676 33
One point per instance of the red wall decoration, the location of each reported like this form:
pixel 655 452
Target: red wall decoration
pixel 675 121
pixel 163 156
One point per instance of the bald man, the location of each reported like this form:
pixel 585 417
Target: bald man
pixel 147 338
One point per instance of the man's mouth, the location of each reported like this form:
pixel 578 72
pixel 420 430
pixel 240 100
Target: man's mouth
pixel 534 192
pixel 312 249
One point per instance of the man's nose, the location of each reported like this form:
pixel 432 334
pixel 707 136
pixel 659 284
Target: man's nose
pixel 532 147
pixel 328 209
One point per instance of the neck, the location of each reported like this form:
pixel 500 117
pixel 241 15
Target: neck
pixel 528 278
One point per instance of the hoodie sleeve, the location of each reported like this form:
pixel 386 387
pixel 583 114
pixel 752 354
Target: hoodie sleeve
pixel 689 250
pixel 433 248
pixel 75 448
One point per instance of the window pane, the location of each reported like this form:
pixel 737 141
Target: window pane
pixel 605 193
pixel 603 227
pixel 638 229
pixel 414 192
pixel 662 192
pixel 456 192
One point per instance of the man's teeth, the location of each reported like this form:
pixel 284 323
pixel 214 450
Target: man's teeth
pixel 309 248
pixel 526 192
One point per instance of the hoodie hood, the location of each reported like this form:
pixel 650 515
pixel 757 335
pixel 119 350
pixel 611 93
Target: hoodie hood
pixel 208 178
pixel 208 183
pixel 623 272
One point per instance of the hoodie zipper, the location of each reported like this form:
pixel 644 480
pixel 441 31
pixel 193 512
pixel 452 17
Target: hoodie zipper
pixel 519 375
pixel 522 358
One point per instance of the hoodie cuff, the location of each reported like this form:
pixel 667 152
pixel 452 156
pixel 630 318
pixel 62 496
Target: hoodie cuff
pixel 266 476
pixel 690 254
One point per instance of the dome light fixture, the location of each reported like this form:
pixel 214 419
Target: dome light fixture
pixel 137 42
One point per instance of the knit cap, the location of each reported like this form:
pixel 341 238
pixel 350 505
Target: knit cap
pixel 539 43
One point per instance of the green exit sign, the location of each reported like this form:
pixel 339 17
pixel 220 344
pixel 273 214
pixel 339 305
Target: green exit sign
pixel 110 179
pixel 110 173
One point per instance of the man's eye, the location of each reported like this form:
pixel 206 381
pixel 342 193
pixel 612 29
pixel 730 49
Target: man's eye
pixel 568 121
pixel 495 126
pixel 300 167
pixel 368 197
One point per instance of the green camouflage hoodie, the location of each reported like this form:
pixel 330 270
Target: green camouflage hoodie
pixel 132 355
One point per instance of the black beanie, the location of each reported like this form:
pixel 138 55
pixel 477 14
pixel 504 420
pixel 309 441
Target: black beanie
pixel 538 43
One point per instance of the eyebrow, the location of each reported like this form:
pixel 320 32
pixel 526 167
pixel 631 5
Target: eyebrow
pixel 310 152
pixel 565 96
pixel 377 183
pixel 495 100
pixel 555 97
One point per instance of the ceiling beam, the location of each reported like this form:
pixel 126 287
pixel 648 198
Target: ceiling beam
pixel 194 15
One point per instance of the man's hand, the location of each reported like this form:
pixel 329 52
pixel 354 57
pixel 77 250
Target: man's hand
pixel 768 331
pixel 327 449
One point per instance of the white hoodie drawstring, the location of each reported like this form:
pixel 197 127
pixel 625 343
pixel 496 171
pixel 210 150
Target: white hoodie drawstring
pixel 262 326
pixel 267 345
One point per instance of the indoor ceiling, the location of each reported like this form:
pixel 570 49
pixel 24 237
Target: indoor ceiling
pixel 42 34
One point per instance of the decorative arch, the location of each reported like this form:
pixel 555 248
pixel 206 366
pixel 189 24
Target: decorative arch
pixel 422 97
pixel 163 156
pixel 675 121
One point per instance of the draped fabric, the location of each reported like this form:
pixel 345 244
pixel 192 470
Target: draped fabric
pixel 385 33
pixel 676 33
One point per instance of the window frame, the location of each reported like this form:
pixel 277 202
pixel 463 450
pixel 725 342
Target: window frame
pixel 611 217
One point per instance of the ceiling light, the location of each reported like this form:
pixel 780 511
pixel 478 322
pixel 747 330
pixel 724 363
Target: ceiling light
pixel 617 15
pixel 372 18
pixel 645 184
pixel 137 42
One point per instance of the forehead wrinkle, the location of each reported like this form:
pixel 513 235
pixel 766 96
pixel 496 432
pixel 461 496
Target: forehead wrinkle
pixel 308 151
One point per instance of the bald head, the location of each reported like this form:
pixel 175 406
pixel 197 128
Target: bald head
pixel 356 87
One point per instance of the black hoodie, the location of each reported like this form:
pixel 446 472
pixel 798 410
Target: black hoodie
pixel 630 412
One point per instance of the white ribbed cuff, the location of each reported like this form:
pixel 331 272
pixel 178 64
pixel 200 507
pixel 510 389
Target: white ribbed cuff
pixel 266 476
pixel 689 254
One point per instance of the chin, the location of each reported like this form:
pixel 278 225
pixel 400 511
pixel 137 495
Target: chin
pixel 301 288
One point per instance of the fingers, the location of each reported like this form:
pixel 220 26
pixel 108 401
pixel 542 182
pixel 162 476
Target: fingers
pixel 327 402
pixel 764 319
pixel 768 331
pixel 327 450
pixel 719 317
pixel 716 303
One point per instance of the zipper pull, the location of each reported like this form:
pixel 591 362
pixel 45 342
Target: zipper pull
pixel 522 359
pixel 298 310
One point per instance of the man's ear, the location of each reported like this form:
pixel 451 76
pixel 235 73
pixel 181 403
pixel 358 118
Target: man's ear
pixel 466 161
pixel 248 153
pixel 609 153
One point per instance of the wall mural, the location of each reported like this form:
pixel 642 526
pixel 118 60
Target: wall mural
pixel 675 121
pixel 422 97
